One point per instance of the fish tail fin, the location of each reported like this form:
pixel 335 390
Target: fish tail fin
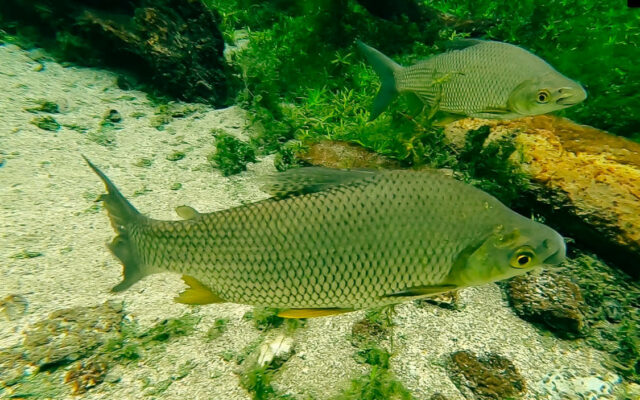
pixel 121 214
pixel 386 69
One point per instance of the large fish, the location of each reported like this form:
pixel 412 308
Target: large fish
pixel 482 79
pixel 333 241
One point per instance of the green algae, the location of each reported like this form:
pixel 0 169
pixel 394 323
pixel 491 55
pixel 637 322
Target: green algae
pixel 144 163
pixel 232 155
pixel 176 156
pixel 44 106
pixel 264 318
pixel 46 123
pixel 218 329
pixel 380 382
pixel 26 254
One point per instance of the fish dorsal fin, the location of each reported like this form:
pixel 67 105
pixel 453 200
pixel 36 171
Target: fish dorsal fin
pixel 306 180
pixel 312 312
pixel 187 212
pixel 197 293
pixel 420 291
pixel 460 44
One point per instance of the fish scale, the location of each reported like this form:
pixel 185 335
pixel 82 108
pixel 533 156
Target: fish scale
pixel 364 243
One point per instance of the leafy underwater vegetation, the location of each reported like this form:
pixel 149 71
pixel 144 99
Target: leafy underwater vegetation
pixel 302 77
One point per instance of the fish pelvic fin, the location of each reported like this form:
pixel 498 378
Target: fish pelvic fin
pixel 386 69
pixel 423 291
pixel 197 293
pixel 121 214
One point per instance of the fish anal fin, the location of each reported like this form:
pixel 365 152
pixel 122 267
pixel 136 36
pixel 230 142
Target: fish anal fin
pixel 419 291
pixel 187 212
pixel 197 293
pixel 312 312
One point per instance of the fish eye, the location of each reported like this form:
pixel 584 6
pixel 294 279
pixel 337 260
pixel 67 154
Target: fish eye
pixel 543 96
pixel 522 258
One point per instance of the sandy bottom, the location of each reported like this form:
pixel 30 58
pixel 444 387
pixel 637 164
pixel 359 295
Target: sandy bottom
pixel 46 199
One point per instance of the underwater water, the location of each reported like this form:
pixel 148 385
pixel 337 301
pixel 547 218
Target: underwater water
pixel 381 280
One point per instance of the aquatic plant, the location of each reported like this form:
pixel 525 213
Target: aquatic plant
pixel 219 327
pixel 367 336
pixel 264 318
pixel 46 123
pixel 231 155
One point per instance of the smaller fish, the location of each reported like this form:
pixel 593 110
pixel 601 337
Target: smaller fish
pixel 480 79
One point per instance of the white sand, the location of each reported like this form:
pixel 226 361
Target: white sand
pixel 46 191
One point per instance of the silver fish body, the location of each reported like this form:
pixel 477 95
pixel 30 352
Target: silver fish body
pixel 484 79
pixel 357 240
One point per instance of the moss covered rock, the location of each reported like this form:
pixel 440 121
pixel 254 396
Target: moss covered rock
pixel 173 45
pixel 489 377
pixel 550 299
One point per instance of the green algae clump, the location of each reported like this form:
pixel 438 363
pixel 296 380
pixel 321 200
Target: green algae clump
pixel 46 123
pixel 232 155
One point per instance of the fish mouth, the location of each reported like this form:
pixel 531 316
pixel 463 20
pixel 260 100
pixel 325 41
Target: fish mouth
pixel 571 96
pixel 556 258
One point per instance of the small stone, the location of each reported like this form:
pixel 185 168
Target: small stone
pixel 438 396
pixel 551 299
pixel 449 300
pixel 491 377
pixel 276 351
pixel 176 156
pixel 13 306
pixel 37 67
pixel 176 186
pixel 113 116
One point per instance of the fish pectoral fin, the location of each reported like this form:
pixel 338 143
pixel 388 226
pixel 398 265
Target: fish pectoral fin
pixel 299 181
pixel 197 293
pixel 312 312
pixel 423 291
pixel 187 212
pixel 442 118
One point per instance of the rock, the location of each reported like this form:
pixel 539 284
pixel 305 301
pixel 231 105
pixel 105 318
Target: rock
pixel 449 300
pixel 343 155
pixel 174 45
pixel 85 375
pixel 70 334
pixel 584 181
pixel 551 299
pixel 13 367
pixel 488 377
pixel 13 307
pixel 566 385
pixel 277 351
